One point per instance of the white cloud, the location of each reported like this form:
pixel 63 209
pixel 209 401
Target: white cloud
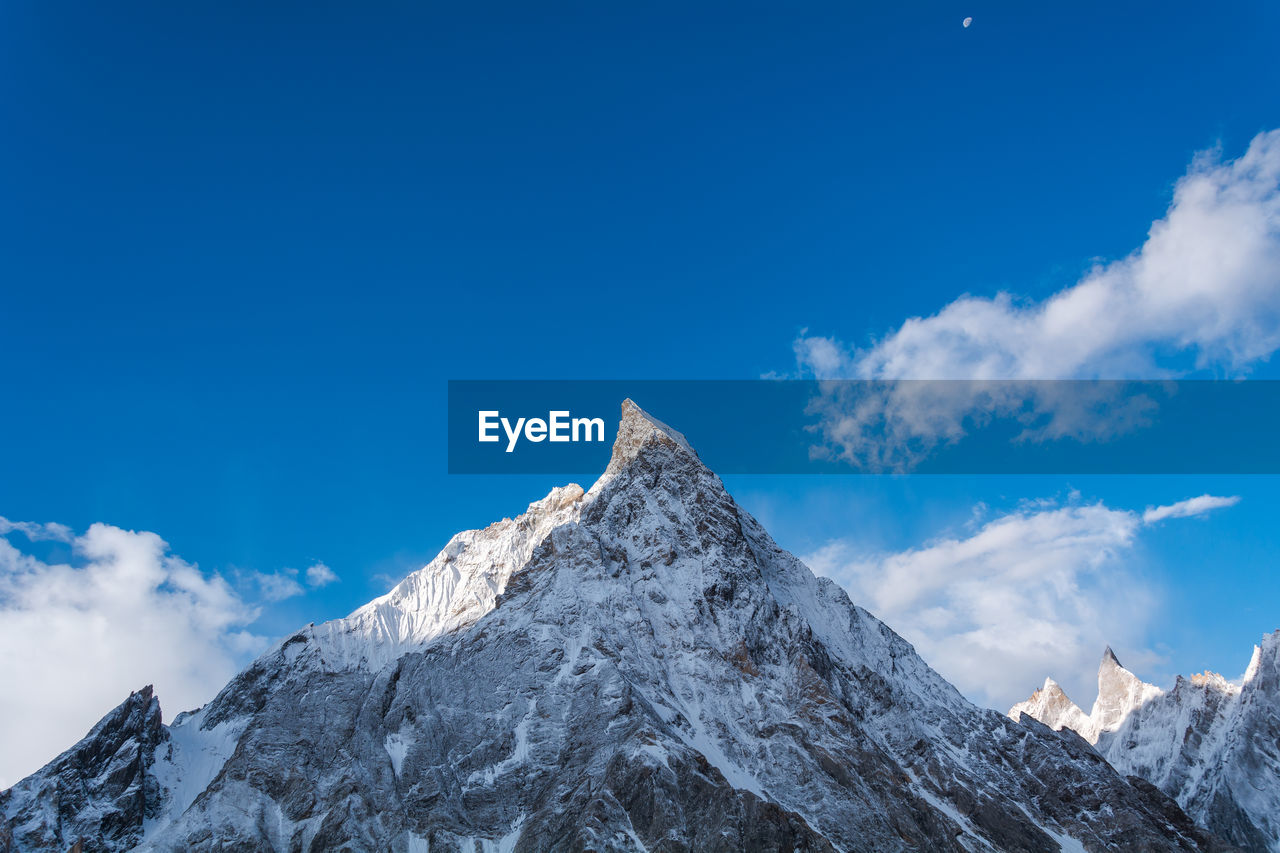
pixel 36 532
pixel 282 584
pixel 1207 281
pixel 320 575
pixel 1202 291
pixel 277 586
pixel 76 638
pixel 1043 589
pixel 1188 508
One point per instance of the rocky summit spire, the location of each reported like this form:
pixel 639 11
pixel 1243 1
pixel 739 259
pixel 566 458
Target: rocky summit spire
pixel 636 431
pixel 1120 692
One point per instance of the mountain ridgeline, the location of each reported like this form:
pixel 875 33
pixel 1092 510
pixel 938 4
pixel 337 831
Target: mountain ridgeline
pixel 633 667
pixel 1211 744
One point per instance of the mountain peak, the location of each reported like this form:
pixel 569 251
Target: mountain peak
pixel 640 667
pixel 638 430
pixel 1120 692
pixel 1051 706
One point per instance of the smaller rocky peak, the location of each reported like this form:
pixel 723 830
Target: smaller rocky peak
pixel 1051 706
pixel 136 718
pixel 1209 679
pixel 98 793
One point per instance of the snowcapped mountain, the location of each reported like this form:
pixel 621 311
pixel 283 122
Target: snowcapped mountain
pixel 1211 744
pixel 636 667
pixel 1119 693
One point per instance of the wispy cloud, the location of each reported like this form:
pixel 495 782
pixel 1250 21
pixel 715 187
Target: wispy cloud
pixel 1041 589
pixel 37 532
pixel 277 586
pixel 1188 508
pixel 320 575
pixel 1202 292
pixel 288 583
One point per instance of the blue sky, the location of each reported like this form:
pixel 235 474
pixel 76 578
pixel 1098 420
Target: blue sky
pixel 244 249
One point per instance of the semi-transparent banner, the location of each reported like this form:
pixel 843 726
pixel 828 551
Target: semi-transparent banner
pixel 877 427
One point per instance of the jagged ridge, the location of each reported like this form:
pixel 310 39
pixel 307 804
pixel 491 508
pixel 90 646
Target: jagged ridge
pixel 1211 744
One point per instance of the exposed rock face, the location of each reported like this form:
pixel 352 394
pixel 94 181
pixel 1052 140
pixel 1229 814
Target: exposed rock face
pixel 1211 744
pixel 638 667
pixel 99 793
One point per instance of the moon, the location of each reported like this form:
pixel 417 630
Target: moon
pixel 966 22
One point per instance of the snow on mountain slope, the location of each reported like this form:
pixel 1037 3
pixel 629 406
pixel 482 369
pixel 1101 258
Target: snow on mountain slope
pixel 461 584
pixel 1211 744
pixel 635 668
